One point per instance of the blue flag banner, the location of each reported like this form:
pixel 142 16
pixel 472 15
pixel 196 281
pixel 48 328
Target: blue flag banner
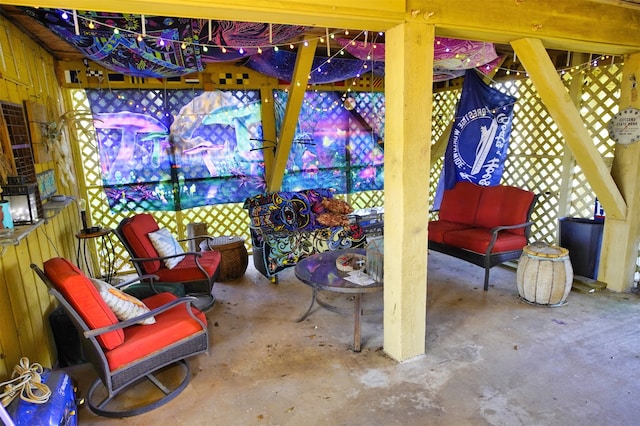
pixel 479 139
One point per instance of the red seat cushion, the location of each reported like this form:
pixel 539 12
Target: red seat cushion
pixel 459 204
pixel 82 295
pixel 437 229
pixel 478 239
pixel 135 231
pixel 504 205
pixel 187 270
pixel 171 327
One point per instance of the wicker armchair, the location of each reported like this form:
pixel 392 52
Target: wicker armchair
pixel 126 352
pixel 197 271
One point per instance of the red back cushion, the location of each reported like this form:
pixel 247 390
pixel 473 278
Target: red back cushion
pixel 459 204
pixel 135 231
pixel 504 205
pixel 76 288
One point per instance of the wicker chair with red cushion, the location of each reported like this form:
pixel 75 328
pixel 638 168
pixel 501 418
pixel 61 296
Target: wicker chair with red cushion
pixel 197 271
pixel 124 352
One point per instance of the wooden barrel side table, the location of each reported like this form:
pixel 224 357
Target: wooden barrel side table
pixel 544 274
pixel 234 256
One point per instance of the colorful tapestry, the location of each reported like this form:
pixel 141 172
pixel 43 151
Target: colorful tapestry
pixel 177 149
pixel 479 140
pixel 161 47
pixel 158 46
pixel 284 229
pixel 335 146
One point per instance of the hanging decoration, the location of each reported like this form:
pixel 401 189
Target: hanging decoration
pixel 479 139
pixel 163 47
pixel 177 149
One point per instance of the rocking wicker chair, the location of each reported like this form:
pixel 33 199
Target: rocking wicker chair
pixel 197 271
pixel 124 353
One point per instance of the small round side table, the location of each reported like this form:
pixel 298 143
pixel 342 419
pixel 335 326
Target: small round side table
pixel 106 250
pixel 234 257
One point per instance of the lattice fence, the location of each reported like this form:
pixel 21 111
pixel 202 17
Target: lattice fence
pixel 537 160
pixel 537 153
pixel 222 219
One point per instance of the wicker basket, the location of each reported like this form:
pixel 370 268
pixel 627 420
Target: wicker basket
pixel 544 274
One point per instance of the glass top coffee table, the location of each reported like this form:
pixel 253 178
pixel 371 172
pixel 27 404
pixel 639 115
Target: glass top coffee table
pixel 319 272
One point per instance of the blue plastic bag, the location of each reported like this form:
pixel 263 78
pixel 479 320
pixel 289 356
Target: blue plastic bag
pixel 61 408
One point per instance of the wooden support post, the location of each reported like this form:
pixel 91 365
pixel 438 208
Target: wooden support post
pixel 409 97
pixel 554 95
pixel 622 236
pixel 297 88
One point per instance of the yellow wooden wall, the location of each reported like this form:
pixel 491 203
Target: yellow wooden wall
pixel 27 74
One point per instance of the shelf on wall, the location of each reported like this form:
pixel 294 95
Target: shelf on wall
pixel 16 234
pixel 52 207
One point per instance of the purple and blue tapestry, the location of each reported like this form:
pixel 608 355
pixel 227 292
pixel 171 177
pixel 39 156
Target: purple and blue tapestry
pixel 177 149
pixel 162 47
pixel 479 139
pixel 338 142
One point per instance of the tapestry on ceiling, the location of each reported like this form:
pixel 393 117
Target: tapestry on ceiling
pixel 338 142
pixel 177 149
pixel 479 139
pixel 163 47
pixel 159 46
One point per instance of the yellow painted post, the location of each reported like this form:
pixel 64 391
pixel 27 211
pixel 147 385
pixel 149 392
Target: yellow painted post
pixel 544 76
pixel 409 96
pixel 297 89
pixel 622 236
pixel 568 162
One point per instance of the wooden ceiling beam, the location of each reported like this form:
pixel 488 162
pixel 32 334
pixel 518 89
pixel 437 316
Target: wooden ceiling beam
pixel 579 26
pixel 590 26
pixel 372 15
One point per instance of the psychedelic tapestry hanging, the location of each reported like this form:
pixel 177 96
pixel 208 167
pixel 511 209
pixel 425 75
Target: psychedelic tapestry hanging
pixel 479 139
pixel 177 149
pixel 338 142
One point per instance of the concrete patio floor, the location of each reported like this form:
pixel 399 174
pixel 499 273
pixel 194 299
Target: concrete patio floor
pixel 491 359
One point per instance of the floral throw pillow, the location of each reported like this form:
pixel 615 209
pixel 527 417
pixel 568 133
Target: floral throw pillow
pixel 166 245
pixel 123 305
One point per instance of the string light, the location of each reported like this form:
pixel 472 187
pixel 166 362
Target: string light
pixel 92 24
pixel 576 69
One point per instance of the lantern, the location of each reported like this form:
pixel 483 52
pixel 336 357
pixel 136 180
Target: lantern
pixel 22 202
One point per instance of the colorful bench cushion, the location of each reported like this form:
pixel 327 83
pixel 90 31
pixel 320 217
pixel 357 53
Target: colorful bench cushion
pixel 287 211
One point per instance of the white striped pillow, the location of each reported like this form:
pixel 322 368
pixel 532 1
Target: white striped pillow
pixel 123 305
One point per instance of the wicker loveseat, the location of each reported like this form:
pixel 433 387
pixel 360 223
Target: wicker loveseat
pixel 484 225
pixel 284 229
